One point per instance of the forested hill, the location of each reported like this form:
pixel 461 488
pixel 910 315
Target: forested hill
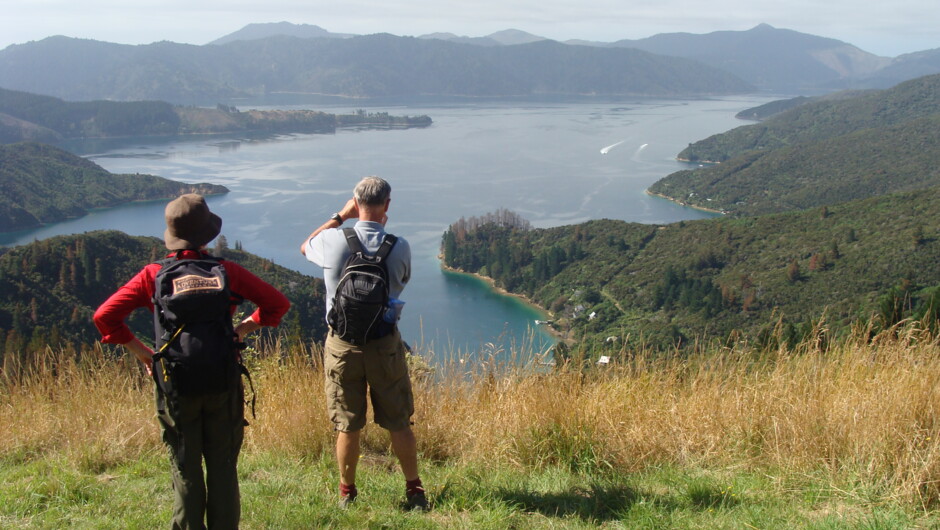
pixel 767 110
pixel 44 184
pixel 769 57
pixel 818 153
pixel 371 66
pixel 52 287
pixel 823 119
pixel 25 116
pixel 680 282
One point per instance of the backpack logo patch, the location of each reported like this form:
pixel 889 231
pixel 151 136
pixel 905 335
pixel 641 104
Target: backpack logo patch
pixel 193 283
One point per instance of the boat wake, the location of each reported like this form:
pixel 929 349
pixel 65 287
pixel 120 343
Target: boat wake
pixel 607 149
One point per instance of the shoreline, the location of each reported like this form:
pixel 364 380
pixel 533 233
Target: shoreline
pixel 554 333
pixel 687 205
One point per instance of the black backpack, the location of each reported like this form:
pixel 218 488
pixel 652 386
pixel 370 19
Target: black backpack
pixel 196 344
pixel 362 293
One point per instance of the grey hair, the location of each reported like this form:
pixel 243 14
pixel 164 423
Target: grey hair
pixel 373 191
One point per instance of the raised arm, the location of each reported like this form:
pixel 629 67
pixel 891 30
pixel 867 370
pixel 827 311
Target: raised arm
pixel 349 211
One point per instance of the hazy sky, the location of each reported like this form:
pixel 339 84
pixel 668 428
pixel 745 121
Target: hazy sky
pixel 886 28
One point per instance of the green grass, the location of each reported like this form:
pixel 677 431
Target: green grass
pixel 287 492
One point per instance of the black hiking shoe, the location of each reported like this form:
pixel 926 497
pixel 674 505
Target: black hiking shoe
pixel 417 501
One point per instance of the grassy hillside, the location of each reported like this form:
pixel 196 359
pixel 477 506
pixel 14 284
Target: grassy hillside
pixel 44 184
pixel 821 152
pixel 52 288
pixel 734 438
pixel 681 282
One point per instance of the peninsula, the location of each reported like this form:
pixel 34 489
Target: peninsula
pixel 32 117
pixel 41 184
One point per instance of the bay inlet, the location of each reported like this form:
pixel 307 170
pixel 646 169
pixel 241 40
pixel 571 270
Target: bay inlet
pixel 540 159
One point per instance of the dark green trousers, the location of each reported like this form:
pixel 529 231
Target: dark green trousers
pixel 210 428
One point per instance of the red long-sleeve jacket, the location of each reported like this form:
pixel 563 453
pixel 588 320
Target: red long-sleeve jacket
pixel 111 316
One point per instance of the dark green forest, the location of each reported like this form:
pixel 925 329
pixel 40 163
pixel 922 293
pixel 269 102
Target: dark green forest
pixel 747 278
pixel 829 150
pixel 88 118
pixel 52 288
pixel 44 184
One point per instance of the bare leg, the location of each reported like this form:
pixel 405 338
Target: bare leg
pixel 406 449
pixel 347 456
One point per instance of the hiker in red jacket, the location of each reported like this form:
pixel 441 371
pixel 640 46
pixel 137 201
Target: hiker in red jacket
pixel 201 414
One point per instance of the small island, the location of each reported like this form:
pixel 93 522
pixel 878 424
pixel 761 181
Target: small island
pixel 228 119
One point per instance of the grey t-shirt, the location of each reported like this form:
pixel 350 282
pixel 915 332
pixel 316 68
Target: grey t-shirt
pixel 329 250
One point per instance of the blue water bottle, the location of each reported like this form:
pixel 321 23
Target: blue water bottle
pixel 393 313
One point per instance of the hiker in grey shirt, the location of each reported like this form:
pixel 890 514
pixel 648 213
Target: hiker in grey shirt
pixel 379 364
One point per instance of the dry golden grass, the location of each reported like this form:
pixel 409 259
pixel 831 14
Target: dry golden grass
pixel 97 410
pixel 859 411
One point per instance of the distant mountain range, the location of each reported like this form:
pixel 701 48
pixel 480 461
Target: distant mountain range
pixel 369 66
pixel 764 56
pixel 262 59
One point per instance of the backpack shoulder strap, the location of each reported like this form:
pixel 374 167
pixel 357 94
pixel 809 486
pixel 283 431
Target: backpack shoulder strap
pixel 163 262
pixel 236 298
pixel 355 246
pixel 352 240
pixel 386 246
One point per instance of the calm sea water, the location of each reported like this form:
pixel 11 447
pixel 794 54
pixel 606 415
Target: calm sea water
pixel 542 160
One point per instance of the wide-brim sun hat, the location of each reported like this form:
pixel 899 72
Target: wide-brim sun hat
pixel 189 223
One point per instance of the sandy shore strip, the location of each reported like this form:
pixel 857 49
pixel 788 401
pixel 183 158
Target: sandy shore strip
pixel 681 203
pixel 557 335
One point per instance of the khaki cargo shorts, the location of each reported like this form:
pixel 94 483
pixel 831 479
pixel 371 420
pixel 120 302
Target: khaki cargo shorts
pixel 380 366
